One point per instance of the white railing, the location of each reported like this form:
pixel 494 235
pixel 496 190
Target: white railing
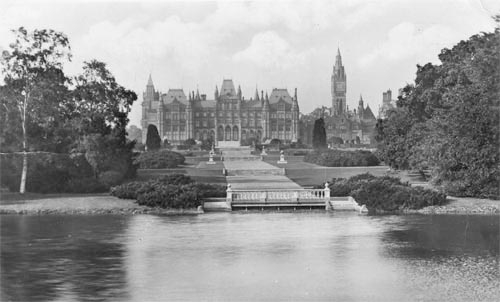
pixel 264 196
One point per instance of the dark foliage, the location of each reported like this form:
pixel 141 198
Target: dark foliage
pixel 159 159
pixel 275 142
pixel 51 173
pixel 319 134
pixel 447 121
pixel 385 193
pixel 207 144
pixel 153 139
pixel 173 191
pixel 340 158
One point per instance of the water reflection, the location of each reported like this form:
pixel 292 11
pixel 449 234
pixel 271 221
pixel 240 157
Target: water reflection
pixel 254 256
pixel 62 258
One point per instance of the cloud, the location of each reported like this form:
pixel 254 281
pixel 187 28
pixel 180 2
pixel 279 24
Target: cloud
pixel 128 42
pixel 268 50
pixel 408 40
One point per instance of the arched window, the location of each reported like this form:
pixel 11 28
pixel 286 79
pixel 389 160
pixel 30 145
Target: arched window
pixel 235 133
pixel 220 133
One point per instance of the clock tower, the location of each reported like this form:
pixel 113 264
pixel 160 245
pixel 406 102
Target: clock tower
pixel 338 87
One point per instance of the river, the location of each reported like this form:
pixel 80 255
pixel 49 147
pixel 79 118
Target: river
pixel 270 256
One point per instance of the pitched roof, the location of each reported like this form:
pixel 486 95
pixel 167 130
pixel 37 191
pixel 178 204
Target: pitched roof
pixel 174 94
pixel 227 88
pixel 367 113
pixel 280 94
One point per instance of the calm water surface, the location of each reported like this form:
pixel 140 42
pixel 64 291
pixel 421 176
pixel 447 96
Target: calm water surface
pixel 249 257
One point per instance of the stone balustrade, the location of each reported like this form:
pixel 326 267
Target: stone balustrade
pixel 269 196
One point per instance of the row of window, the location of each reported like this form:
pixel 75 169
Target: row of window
pixel 257 115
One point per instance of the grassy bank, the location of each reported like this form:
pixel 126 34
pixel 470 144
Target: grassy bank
pixel 62 204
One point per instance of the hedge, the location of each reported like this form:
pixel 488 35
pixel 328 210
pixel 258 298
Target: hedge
pixel 342 158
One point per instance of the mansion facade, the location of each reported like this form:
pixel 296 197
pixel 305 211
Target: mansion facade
pixel 228 118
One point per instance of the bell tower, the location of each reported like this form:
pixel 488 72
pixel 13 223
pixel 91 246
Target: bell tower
pixel 339 81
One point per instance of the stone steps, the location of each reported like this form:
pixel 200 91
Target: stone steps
pixel 255 172
pixel 242 158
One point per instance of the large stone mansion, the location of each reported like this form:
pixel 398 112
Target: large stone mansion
pixel 228 118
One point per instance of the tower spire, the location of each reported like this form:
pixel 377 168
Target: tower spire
pixel 150 80
pixel 338 58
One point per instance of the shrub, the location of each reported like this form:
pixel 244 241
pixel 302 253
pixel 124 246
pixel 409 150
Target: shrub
pixel 175 179
pixel 130 190
pixel 340 158
pixel 170 196
pixel 159 159
pixel 385 193
pixel 173 191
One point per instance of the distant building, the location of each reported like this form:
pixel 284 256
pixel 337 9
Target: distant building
pixel 387 104
pixel 228 118
pixel 342 124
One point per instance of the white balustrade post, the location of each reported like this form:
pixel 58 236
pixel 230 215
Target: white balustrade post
pixel 229 195
pixel 327 191
pixel 328 205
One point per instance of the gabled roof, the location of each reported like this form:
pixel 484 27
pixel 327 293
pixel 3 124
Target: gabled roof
pixel 280 94
pixel 227 88
pixel 367 113
pixel 174 94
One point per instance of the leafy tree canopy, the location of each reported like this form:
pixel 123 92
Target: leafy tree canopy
pixel 447 121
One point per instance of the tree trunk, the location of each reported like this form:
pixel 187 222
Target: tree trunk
pixel 24 173
pixel 22 189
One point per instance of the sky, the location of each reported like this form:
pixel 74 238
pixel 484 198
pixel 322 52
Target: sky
pixel 264 44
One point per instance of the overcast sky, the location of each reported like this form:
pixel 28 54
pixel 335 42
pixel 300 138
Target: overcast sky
pixel 278 44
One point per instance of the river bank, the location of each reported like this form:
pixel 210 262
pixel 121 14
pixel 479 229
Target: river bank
pixel 463 205
pixel 78 204
pixel 100 204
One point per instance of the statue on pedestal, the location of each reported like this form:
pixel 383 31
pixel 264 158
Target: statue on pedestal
pixel 211 157
pixel 282 158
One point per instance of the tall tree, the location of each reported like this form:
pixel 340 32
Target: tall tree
pixel 33 81
pixel 319 134
pixel 99 110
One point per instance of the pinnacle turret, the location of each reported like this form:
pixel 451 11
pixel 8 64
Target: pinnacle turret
pixel 150 81
pixel 338 59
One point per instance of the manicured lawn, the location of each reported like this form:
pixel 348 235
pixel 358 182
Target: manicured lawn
pixel 305 175
pixel 208 174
